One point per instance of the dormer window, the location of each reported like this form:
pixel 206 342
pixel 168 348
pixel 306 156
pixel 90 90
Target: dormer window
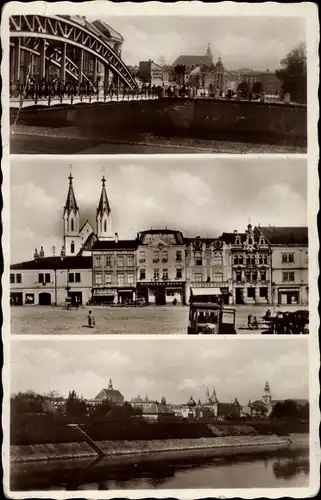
pixel 237 240
pixel 250 241
pixel 262 241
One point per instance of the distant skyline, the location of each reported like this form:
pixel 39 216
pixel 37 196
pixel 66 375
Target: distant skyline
pixel 256 42
pixel 175 368
pixel 200 197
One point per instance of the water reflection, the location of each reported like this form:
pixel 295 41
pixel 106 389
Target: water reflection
pixel 280 468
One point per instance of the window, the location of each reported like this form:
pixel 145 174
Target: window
pixel 263 275
pixel 120 261
pixel 72 224
pixel 142 274
pixel 130 277
pixel 108 278
pixel 198 277
pixel 170 293
pixel 121 278
pixel 71 277
pixel 12 278
pixel 288 276
pixel 44 278
pixel 179 256
pixel 288 258
pixel 130 261
pixel 263 292
pixel 98 278
pixel 165 274
pixel 142 257
pixel 72 247
pixel 108 260
pixel 165 257
pixel 18 278
pixel 155 256
pixel 97 260
pixel 237 241
pixel 238 276
pixel 251 292
pixel 156 274
pixel 218 260
pixel 265 259
pixel 262 241
pixel 77 277
pixel 198 258
pixel 252 260
pixel 179 274
pixel 105 226
pixel 250 241
pixel 218 277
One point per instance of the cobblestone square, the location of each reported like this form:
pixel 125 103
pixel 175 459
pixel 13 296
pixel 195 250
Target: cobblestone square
pixel 43 320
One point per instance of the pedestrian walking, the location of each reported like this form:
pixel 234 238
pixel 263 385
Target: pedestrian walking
pixel 91 320
pixel 249 321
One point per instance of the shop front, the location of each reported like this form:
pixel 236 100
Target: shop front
pixel 161 293
pixel 126 295
pixel 288 296
pixel 104 296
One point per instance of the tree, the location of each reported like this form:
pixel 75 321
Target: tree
pixel 293 74
pixel 75 406
pixel 286 410
pixel 257 88
pixel 244 87
pixel 180 70
pixel 27 402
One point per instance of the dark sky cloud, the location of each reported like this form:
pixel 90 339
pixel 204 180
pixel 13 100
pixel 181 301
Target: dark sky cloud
pixel 198 196
pixel 257 42
pixel 175 368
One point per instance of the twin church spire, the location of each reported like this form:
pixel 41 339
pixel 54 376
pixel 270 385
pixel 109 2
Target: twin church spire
pixel 73 238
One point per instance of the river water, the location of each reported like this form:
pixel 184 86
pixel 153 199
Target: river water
pixel 270 469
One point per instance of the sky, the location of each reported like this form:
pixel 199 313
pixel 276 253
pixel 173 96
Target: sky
pixel 175 368
pixel 200 197
pixel 257 42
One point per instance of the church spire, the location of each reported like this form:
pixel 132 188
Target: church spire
pixel 103 202
pixel 71 203
pixel 103 217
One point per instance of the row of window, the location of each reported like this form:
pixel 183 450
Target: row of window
pixel 250 259
pixel 122 278
pixel 217 277
pixel 45 278
pixel 122 260
pixel 250 276
pixel 157 276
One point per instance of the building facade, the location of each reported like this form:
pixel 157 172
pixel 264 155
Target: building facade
pixel 290 264
pixel 250 264
pixel 207 268
pixel 161 266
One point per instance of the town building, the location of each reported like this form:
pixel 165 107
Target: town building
pixel 110 394
pixel 210 78
pixel 161 266
pixel 192 61
pixel 266 81
pixel 207 269
pixel 114 260
pixel 290 264
pixel 50 280
pixel 153 74
pixel 152 411
pixel 250 264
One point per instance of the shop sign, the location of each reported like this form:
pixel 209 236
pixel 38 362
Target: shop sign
pixel 105 292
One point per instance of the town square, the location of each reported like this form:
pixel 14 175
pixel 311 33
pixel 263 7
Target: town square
pixel 104 274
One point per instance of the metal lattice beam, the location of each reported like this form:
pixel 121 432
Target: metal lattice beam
pixel 61 29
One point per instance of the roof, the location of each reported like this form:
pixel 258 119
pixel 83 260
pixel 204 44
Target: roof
pixel 51 263
pixel 71 204
pixel 109 394
pixel 103 205
pixel 115 245
pixel 190 60
pixel 177 234
pixel 285 235
pixel 107 30
pixel 156 408
pixel 206 291
pixel 88 243
pixel 230 237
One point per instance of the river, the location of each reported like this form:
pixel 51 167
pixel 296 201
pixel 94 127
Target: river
pixel 270 469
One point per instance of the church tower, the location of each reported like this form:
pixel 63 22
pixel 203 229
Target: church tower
pixel 209 54
pixel 72 238
pixel 267 397
pixel 103 218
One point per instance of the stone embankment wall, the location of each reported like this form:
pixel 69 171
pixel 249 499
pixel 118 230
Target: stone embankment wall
pixel 45 452
pixel 196 118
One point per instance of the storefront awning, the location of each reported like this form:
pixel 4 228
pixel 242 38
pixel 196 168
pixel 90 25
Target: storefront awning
pixel 205 291
pixel 103 292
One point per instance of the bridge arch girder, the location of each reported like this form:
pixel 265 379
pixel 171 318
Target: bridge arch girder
pixel 61 29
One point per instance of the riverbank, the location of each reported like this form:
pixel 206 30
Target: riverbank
pixel 68 451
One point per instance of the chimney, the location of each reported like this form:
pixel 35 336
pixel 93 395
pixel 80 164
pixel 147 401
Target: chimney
pixel 36 255
pixel 62 253
pixel 54 251
pixel 41 253
pixel 235 231
pixel 116 237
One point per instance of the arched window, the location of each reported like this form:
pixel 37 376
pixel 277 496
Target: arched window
pixel 262 241
pixel 105 226
pixel 72 247
pixel 237 241
pixel 72 224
